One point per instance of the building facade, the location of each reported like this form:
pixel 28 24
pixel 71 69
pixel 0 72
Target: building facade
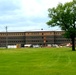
pixel 32 37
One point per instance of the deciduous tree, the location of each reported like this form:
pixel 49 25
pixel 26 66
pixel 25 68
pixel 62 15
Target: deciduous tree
pixel 64 16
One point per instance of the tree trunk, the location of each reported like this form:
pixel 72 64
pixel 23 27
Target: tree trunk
pixel 73 43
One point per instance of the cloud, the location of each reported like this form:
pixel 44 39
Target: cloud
pixel 22 15
pixel 8 7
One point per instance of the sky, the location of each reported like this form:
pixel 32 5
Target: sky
pixel 26 15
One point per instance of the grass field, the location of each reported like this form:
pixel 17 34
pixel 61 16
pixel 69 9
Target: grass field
pixel 38 61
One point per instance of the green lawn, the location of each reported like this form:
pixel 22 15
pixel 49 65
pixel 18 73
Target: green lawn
pixel 38 61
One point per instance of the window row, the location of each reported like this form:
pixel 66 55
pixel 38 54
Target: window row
pixel 14 38
pixel 10 41
pixel 12 34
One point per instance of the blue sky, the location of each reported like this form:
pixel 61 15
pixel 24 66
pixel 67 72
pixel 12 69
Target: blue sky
pixel 26 15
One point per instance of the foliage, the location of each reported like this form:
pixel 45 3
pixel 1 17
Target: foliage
pixel 64 16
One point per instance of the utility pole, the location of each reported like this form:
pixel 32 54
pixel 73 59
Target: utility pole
pixel 6 37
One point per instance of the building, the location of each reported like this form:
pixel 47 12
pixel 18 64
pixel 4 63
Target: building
pixel 12 38
pixel 32 37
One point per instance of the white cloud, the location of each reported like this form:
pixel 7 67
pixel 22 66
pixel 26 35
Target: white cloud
pixel 22 15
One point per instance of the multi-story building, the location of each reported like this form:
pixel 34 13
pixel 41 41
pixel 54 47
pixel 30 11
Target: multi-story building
pixel 32 37
pixel 12 38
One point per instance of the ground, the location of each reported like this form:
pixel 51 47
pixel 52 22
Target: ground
pixel 38 61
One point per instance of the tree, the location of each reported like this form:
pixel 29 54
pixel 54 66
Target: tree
pixel 64 16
